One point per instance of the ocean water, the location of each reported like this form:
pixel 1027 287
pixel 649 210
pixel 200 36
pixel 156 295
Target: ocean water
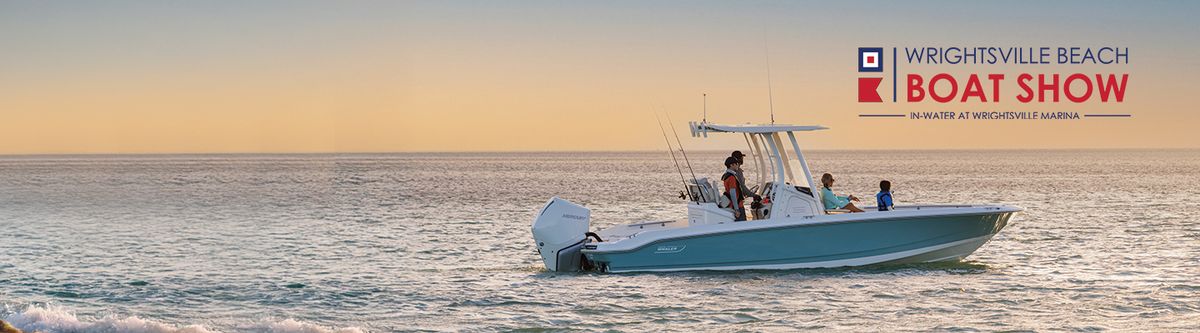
pixel 1110 240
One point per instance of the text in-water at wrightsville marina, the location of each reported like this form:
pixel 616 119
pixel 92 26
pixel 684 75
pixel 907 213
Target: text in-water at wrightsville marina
pixel 993 115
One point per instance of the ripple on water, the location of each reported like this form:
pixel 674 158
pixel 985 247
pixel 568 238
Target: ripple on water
pixel 398 242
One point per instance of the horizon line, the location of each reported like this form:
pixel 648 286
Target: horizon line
pixel 2 155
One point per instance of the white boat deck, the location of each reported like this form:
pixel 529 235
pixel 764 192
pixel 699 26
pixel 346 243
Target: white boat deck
pixel 618 232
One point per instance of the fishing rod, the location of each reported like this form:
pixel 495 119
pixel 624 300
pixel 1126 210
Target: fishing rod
pixel 770 92
pixel 686 190
pixel 685 158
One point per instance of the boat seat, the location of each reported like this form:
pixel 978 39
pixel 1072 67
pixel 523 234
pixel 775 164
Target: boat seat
pixel 704 190
pixel 836 211
pixel 713 194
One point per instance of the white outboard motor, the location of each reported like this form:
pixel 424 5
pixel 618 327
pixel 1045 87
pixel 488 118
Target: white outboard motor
pixel 559 231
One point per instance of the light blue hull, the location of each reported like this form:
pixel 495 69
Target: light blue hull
pixel 940 237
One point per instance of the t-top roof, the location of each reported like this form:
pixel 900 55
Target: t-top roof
pixel 699 129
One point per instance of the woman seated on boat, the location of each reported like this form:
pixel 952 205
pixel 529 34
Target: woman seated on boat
pixel 832 201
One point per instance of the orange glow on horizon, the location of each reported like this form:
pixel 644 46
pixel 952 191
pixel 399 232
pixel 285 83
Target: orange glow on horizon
pixel 451 77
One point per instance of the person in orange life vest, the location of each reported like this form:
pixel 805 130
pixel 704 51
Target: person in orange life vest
pixel 742 177
pixel 733 188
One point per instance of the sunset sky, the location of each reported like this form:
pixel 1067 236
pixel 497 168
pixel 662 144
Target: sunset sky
pixel 405 76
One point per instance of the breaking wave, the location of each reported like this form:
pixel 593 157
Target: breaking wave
pixel 56 319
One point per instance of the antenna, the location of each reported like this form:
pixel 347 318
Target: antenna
pixel 705 118
pixel 685 158
pixel 677 168
pixel 770 97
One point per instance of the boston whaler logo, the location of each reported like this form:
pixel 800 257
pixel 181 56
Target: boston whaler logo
pixel 1046 93
pixel 669 249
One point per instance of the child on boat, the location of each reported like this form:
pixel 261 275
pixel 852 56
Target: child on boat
pixel 883 199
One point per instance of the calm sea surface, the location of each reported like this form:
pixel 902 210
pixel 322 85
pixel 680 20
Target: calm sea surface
pixel 1110 240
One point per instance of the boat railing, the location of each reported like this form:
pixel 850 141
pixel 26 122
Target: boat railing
pixel 643 225
pixel 906 207
pixel 919 207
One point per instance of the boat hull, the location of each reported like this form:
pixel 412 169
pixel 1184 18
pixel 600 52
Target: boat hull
pixel 834 243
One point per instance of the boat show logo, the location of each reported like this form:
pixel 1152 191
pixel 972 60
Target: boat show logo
pixel 991 83
pixel 869 61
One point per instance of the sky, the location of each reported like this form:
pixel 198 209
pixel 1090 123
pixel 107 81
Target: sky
pixel 97 77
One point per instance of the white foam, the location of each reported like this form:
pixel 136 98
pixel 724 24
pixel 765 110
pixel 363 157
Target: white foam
pixel 291 325
pixel 56 319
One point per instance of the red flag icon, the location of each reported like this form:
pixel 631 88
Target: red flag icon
pixel 868 89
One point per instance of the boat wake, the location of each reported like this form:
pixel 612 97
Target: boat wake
pixel 54 319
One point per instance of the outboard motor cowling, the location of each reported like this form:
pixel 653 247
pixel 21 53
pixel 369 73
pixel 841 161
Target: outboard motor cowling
pixel 559 232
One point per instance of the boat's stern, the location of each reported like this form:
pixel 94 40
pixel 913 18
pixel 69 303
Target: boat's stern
pixel 559 231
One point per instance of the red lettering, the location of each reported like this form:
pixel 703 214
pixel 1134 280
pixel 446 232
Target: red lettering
pixel 973 89
pixel 1111 85
pixel 1043 87
pixel 914 86
pixel 1023 81
pixel 933 87
pixel 995 86
pixel 1067 88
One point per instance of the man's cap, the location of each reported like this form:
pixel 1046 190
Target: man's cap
pixel 731 160
pixel 738 154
